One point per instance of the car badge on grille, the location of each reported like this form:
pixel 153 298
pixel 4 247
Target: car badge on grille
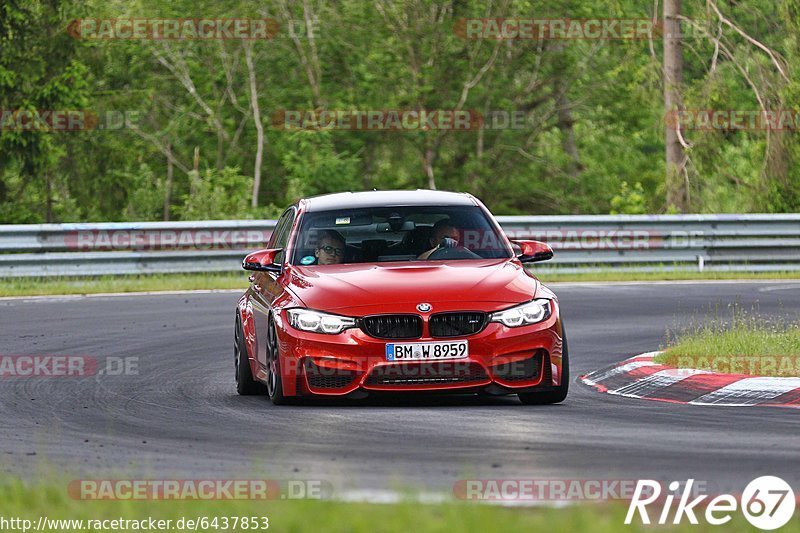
pixel 424 307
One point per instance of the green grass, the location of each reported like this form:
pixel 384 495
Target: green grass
pixel 51 500
pixel 141 283
pixel 742 344
pixel 238 280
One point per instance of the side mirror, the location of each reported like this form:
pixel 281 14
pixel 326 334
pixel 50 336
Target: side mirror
pixel 533 251
pixel 262 261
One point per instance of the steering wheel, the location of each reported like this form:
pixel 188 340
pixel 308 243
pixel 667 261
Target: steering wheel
pixel 457 252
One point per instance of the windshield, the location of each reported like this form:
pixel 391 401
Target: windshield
pixel 411 233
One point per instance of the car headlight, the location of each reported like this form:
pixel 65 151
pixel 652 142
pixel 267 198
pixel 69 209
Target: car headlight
pixel 319 322
pixel 523 315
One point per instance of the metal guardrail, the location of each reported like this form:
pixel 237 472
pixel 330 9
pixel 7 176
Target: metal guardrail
pixel 581 244
pixel 730 242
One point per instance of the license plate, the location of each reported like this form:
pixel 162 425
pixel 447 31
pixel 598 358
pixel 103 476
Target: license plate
pixel 426 350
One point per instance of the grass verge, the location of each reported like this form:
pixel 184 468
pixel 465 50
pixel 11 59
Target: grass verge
pixel 139 283
pixel 18 501
pixel 743 344
pixel 238 280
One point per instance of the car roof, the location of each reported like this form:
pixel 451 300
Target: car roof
pixel 351 200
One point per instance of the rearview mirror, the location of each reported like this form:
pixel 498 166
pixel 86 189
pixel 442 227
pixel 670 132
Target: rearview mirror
pixel 262 261
pixel 533 251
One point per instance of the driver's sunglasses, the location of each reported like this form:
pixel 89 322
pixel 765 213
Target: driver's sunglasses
pixel 331 250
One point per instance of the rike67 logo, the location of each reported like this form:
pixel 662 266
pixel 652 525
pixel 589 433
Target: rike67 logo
pixel 767 502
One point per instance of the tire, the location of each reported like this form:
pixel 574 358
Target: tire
pixel 559 394
pixel 245 384
pixel 274 385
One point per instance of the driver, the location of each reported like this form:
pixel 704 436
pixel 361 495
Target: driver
pixel 330 248
pixel 443 235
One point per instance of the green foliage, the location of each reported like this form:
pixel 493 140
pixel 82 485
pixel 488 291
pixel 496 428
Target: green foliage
pixel 23 208
pixel 146 196
pixel 739 341
pixel 216 194
pixel 39 71
pixel 313 166
pixel 591 139
pixel 629 200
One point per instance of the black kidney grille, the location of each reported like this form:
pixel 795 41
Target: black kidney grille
pixel 392 326
pixel 456 324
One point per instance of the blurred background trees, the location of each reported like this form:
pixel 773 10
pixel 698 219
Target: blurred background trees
pixel 196 139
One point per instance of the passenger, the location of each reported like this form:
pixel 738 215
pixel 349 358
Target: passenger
pixel 330 248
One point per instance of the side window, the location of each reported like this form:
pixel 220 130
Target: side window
pixel 282 231
pixel 273 239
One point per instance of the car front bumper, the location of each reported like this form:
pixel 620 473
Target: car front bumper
pixel 501 360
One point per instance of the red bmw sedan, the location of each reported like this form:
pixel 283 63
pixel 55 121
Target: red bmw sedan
pixel 397 291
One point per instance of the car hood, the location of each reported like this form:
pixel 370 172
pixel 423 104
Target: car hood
pixel 496 283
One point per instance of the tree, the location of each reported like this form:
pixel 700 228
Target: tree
pixel 676 172
pixel 39 74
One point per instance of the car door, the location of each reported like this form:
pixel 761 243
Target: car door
pixel 265 286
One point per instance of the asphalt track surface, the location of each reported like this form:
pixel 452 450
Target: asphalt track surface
pixel 180 417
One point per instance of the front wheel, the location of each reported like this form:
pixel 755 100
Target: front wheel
pixel 274 377
pixel 245 384
pixel 560 393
